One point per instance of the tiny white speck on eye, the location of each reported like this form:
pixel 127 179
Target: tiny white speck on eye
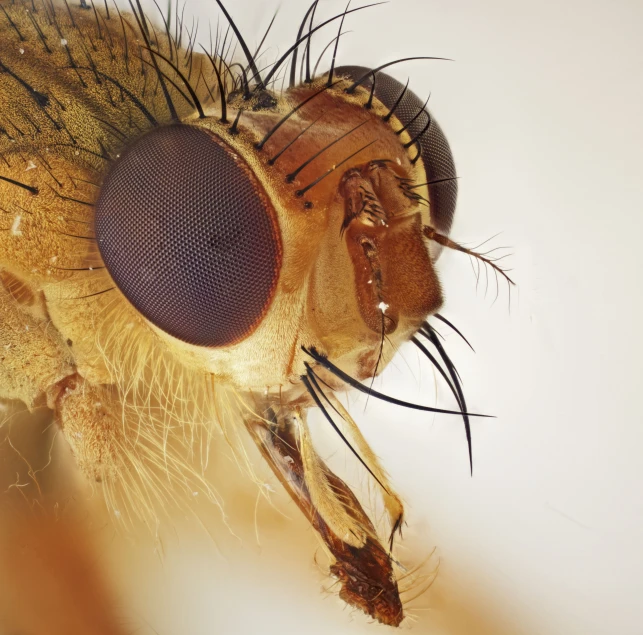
pixel 63 42
pixel 16 224
pixel 22 51
pixel 30 166
pixel 382 306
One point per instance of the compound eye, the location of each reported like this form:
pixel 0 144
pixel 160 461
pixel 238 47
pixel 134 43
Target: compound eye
pixel 435 150
pixel 189 235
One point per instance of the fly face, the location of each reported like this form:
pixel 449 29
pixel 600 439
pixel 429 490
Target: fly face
pixel 298 228
pixel 193 238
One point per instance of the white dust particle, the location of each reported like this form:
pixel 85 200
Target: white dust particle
pixel 22 51
pixel 16 224
pixel 382 306
pixel 30 166
pixel 53 260
pixel 117 513
pixel 195 494
pixel 399 162
pixel 63 42
pixel 370 282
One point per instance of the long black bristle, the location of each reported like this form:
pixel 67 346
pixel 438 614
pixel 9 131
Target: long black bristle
pixel 310 381
pixel 383 66
pixel 417 114
pixel 263 39
pixel 293 175
pixel 397 102
pixel 12 24
pixel 328 365
pixel 416 139
pixel 309 43
pixel 429 332
pixel 438 367
pixel 293 65
pixel 193 95
pixel 244 46
pixel 319 59
pixel 287 116
pixel 339 32
pixel 454 328
pixel 24 186
pixel 301 192
pixel 290 143
pixel 434 182
pixel 222 95
pixel 142 24
pixel 286 55
pixel 369 103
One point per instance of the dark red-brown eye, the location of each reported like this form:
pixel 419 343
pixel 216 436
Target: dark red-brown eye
pixel 435 151
pixel 189 235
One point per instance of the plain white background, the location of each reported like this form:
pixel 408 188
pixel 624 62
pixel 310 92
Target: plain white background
pixel 542 108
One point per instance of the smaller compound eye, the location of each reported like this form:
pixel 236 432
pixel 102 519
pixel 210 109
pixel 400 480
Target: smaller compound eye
pixel 435 150
pixel 189 236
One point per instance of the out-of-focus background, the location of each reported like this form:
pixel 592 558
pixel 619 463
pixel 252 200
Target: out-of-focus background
pixel 542 107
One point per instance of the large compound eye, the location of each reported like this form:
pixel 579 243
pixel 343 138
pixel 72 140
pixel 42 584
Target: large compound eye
pixel 435 151
pixel 189 235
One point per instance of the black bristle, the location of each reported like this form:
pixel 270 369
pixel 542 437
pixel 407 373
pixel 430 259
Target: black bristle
pixel 244 46
pixel 355 84
pixel 332 65
pixel 312 386
pixel 286 55
pixel 293 175
pixel 328 365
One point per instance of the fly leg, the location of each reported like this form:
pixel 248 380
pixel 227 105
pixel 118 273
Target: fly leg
pixel 365 571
